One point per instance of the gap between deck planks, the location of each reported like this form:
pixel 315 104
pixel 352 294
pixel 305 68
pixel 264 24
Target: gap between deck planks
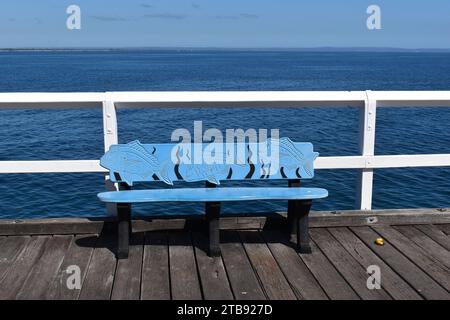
pixel 253 265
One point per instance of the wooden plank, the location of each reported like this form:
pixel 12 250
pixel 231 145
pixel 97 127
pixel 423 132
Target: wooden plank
pixel 390 281
pixel 155 270
pixel 45 269
pixel 127 280
pixel 444 228
pixel 273 281
pixel 238 221
pixel 436 234
pixel 18 271
pixel 420 257
pixel 347 266
pixel 100 275
pixel 243 280
pixel 212 273
pixel 432 248
pixel 302 281
pixel 185 284
pixel 79 254
pixel 49 226
pixel 328 277
pixel 378 217
pixel 419 280
pixel 10 249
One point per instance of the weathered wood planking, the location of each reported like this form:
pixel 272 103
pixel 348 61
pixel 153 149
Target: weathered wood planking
pixel 155 270
pixel 355 275
pixel 444 228
pixel 18 272
pixel 419 256
pixel 317 219
pixel 273 281
pixel 418 279
pixel 379 217
pixel 127 280
pixel 213 276
pixel 302 281
pixel 52 226
pixel 329 278
pixel 100 275
pixel 254 265
pixel 185 284
pixel 390 281
pixel 436 234
pixel 45 269
pixel 243 280
pixel 79 254
pixel 432 248
pixel 10 249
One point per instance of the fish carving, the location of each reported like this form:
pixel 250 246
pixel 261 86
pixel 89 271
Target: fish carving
pixel 294 159
pixel 212 173
pixel 137 162
pixel 134 163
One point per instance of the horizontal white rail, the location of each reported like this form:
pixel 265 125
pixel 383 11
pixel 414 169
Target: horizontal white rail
pixel 367 101
pixel 342 162
pixel 51 166
pixel 379 162
pixel 226 98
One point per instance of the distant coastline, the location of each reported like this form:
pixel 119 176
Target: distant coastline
pixel 312 49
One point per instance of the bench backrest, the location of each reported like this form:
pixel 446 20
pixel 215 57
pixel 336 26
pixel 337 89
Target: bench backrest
pixel 213 162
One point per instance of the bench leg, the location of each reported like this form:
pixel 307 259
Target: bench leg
pixel 124 229
pixel 292 220
pixel 303 241
pixel 292 213
pixel 212 218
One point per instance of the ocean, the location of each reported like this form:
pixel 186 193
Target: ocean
pixel 34 134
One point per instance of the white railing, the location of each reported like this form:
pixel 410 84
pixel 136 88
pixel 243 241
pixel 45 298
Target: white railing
pixel 367 101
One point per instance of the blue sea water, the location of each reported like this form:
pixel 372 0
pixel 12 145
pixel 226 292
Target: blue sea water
pixel 34 134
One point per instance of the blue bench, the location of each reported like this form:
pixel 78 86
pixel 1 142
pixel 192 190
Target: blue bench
pixel 169 163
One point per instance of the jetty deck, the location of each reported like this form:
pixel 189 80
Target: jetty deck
pixel 257 261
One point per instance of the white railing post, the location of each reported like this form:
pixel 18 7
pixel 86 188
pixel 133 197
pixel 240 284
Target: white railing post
pixel 109 124
pixel 367 121
pixel 110 136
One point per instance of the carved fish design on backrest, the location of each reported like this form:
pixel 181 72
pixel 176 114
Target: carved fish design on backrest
pixel 136 162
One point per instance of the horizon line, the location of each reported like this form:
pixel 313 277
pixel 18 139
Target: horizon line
pixel 321 48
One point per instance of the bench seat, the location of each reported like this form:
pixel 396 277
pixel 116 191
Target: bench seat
pixel 213 194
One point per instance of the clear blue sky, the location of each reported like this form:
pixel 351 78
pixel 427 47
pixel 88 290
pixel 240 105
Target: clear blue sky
pixel 225 23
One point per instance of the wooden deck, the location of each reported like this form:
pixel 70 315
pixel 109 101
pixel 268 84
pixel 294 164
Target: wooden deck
pixel 255 264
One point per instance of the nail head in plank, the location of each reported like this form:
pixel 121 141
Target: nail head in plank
pixel 243 280
pixel 273 281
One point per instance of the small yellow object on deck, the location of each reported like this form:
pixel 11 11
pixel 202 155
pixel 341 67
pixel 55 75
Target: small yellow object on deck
pixel 379 241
